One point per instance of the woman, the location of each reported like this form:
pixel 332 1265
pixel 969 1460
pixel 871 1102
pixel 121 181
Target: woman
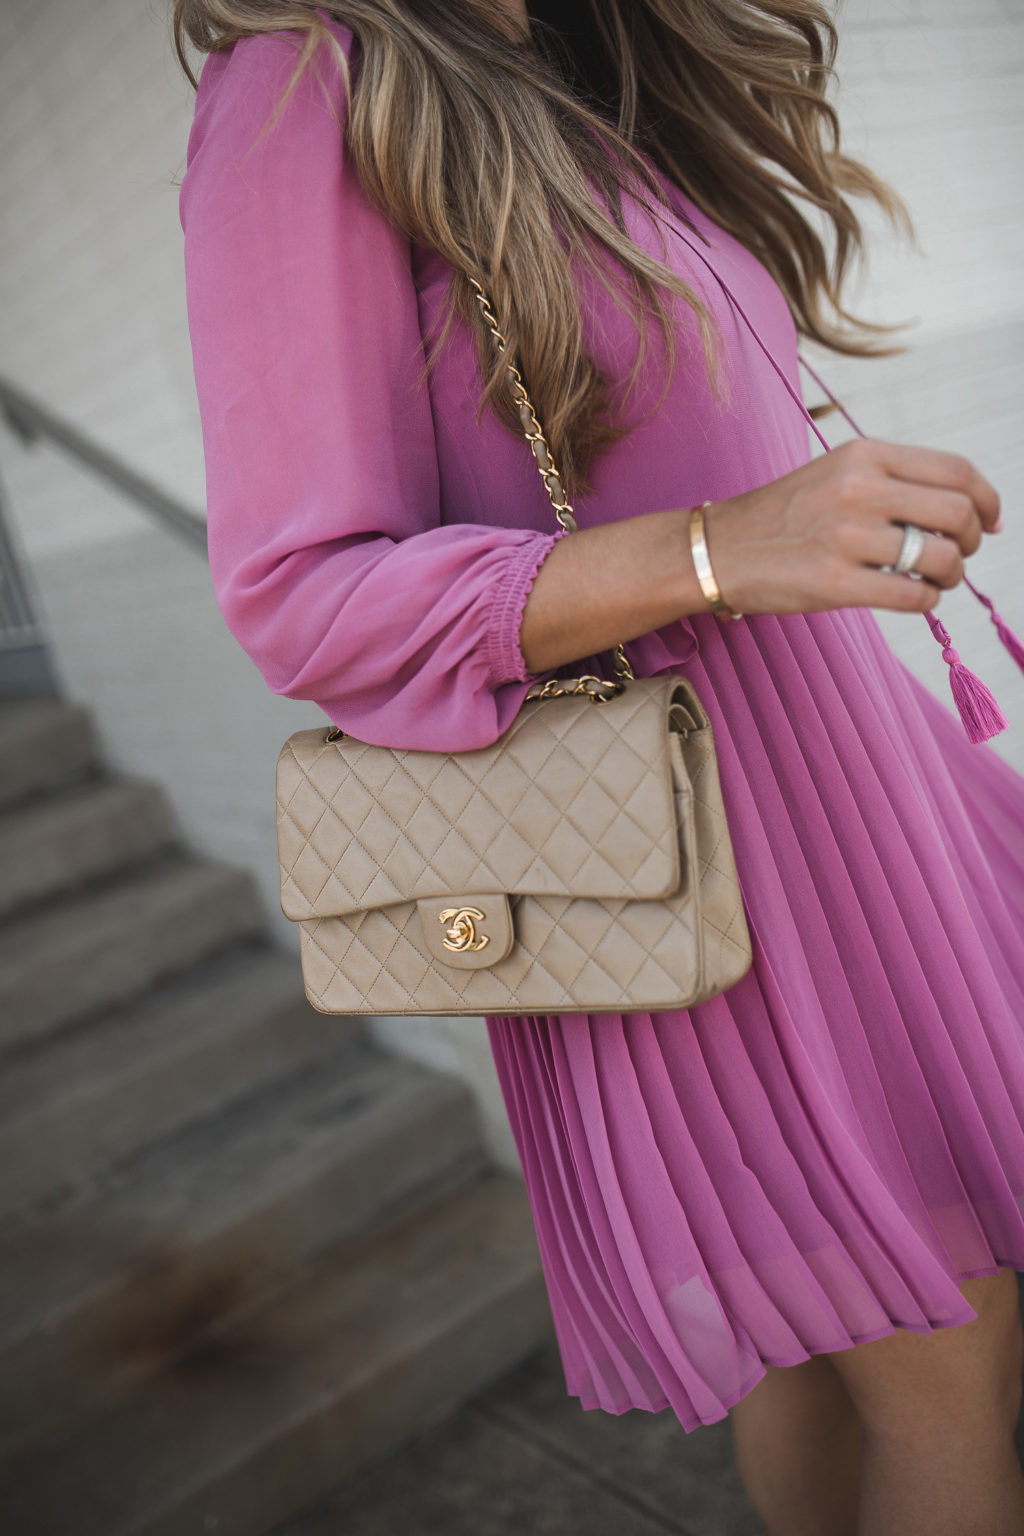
pixel 800 1204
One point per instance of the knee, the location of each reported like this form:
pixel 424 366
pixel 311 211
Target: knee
pixel 959 1382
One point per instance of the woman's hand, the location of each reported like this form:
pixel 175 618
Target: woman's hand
pixel 817 538
pixel 812 540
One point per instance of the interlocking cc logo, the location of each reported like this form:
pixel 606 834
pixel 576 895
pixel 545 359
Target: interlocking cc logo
pixel 461 935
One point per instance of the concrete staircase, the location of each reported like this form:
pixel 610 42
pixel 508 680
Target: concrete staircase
pixel 242 1251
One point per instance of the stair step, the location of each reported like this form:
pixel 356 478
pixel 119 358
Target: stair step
pixel 213 1034
pixel 44 743
pixel 58 843
pixel 84 954
pixel 196 1225
pixel 367 1347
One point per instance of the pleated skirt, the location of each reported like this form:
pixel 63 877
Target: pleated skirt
pixel 822 1154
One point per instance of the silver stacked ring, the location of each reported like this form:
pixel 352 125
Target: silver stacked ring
pixel 910 549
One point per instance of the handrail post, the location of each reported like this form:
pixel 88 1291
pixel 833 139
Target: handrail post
pixel 25 665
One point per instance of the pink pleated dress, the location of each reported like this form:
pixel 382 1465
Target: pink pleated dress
pixel 820 1155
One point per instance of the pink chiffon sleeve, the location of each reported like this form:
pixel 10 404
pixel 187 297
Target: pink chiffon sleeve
pixel 330 561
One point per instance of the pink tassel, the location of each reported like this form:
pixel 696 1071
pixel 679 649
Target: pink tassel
pixel 977 706
pixel 1012 642
pixel 979 711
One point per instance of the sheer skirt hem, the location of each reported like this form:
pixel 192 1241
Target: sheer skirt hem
pixel 590 1404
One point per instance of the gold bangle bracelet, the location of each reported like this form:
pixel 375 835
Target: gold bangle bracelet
pixel 702 565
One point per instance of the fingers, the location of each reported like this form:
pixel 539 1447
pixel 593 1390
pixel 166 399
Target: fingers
pixel 947 472
pixel 823 536
pixel 941 560
pixel 902 594
pixel 936 511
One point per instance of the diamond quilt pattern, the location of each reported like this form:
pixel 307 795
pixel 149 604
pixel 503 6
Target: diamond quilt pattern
pixel 615 853
pixel 574 800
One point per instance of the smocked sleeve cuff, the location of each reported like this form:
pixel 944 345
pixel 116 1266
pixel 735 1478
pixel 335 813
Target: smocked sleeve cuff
pixel 508 604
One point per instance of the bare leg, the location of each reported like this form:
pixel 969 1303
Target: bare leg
pixel 939 1412
pixel 799 1443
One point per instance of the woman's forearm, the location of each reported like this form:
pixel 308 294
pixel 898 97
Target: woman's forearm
pixel 824 536
pixel 610 584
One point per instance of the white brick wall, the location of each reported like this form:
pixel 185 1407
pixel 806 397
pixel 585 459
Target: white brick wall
pixel 92 317
pixel 94 117
pixel 930 96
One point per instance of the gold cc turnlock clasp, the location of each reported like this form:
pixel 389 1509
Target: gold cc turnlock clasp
pixel 462 934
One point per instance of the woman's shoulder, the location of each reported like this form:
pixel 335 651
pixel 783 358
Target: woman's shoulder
pixel 242 125
pixel 252 73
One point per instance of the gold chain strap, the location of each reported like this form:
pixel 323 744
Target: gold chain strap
pixel 596 688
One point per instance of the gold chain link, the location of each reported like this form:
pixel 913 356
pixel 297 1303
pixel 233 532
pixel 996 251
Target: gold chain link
pixel 531 426
pixel 600 689
pixel 563 510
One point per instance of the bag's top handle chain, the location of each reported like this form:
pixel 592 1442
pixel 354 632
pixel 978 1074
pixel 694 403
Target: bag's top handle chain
pixel 564 513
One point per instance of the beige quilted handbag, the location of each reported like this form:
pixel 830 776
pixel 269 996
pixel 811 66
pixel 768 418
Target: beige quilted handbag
pixel 581 864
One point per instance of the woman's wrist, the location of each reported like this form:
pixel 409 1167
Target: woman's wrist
pixel 703 566
pixel 612 583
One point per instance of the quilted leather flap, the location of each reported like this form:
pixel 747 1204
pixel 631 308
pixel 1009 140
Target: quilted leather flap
pixel 576 799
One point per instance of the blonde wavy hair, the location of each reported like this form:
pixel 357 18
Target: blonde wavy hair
pixel 488 146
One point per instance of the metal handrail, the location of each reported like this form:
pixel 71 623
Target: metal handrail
pixel 32 421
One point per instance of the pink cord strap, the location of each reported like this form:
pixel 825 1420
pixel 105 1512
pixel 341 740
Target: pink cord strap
pixel 1011 641
pixel 976 704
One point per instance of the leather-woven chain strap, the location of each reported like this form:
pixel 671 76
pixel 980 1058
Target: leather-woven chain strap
pixel 598 688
